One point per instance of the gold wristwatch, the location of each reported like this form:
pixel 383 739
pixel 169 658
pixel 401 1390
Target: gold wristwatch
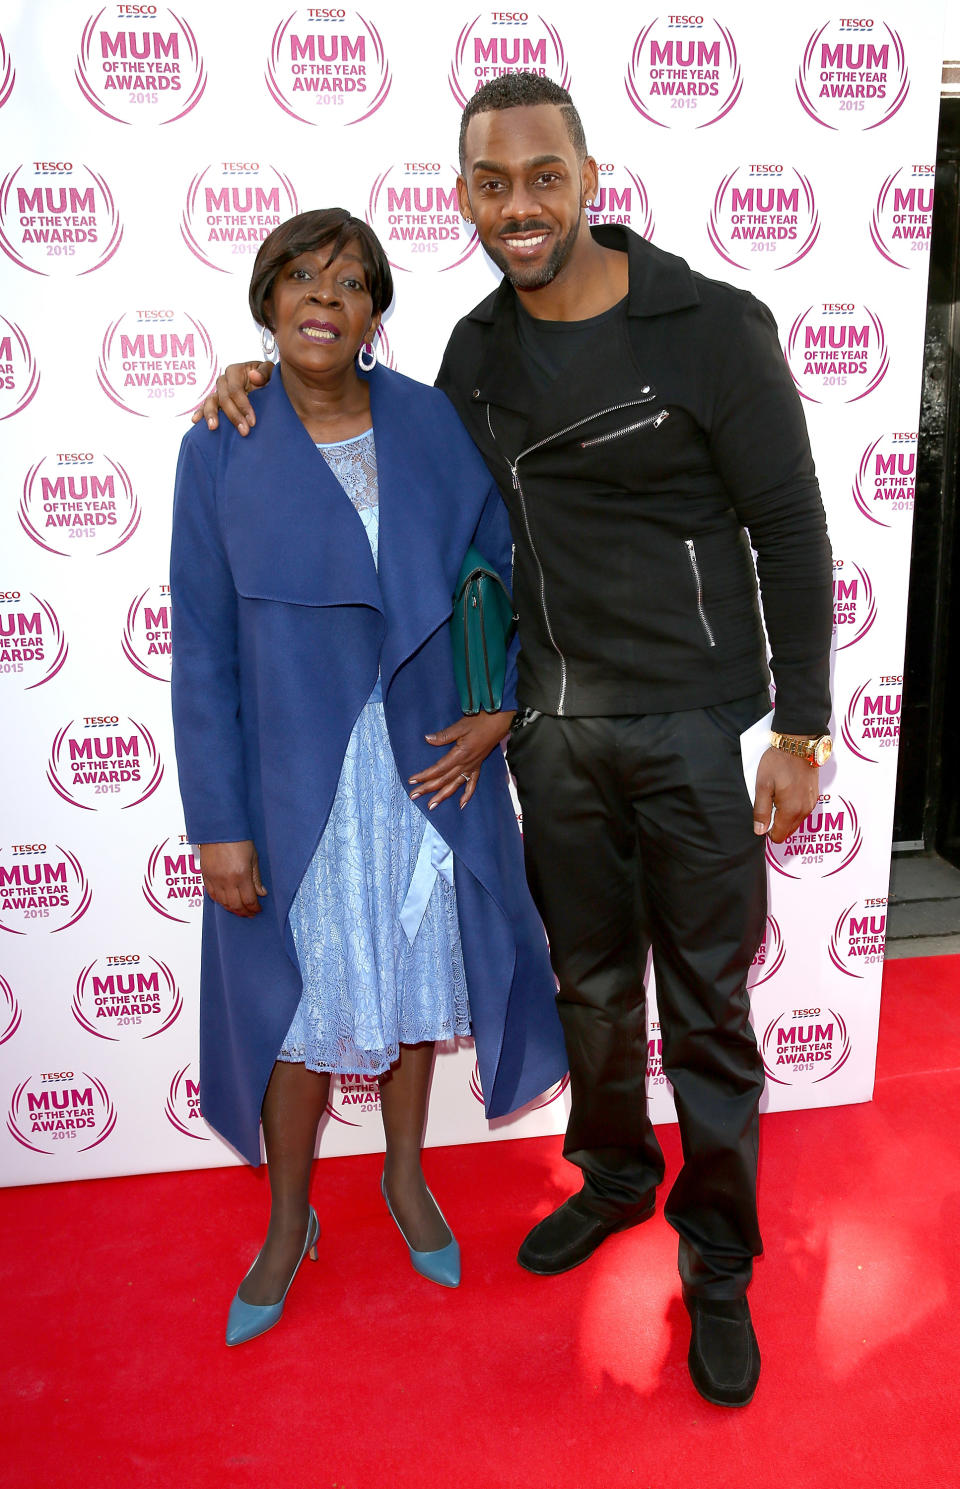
pixel 815 751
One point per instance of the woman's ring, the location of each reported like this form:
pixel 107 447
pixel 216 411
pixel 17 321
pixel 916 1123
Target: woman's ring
pixel 464 776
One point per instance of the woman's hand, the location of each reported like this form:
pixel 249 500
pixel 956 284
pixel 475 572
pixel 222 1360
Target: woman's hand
pixel 231 876
pixel 472 738
pixel 233 385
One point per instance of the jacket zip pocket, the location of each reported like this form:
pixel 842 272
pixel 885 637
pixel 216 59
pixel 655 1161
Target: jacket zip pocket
pixel 655 420
pixel 695 571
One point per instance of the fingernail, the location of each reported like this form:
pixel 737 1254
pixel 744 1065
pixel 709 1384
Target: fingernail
pixel 211 423
pixel 429 736
pixel 432 805
pixel 759 829
pixel 415 794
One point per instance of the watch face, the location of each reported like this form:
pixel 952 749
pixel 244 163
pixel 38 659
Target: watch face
pixel 823 750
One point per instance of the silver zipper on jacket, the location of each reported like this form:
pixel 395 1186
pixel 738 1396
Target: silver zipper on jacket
pixel 695 570
pixel 615 408
pixel 601 439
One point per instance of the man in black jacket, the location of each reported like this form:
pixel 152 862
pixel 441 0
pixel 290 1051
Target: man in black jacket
pixel 645 433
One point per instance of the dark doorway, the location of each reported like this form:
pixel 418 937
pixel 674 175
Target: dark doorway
pixel 927 813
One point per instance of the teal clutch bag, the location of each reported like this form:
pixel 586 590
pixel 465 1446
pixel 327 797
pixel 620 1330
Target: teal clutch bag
pixel 481 628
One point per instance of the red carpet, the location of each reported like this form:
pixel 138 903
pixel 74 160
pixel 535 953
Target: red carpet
pixel 114 1296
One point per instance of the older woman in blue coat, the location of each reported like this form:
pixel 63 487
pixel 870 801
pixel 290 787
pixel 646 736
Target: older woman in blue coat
pixel 355 911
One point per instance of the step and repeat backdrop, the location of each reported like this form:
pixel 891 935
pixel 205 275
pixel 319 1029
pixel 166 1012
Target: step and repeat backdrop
pixel 145 154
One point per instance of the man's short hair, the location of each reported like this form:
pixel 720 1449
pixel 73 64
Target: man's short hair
pixel 517 90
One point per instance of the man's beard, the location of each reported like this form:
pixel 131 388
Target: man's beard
pixel 535 277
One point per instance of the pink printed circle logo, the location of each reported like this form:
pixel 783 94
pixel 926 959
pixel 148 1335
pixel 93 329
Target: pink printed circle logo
pixel 146 633
pixel 61 1112
pixel 854 605
pixel 413 210
pixel 231 208
pixel 684 72
pixel 78 502
pixel 547 1098
pixel 8 74
pixel 11 1013
pixel 804 1046
pixel 884 484
pixel 140 65
pixel 859 936
pixel 19 375
pixel 872 720
pixel 853 74
pixel 156 362
pixel 104 760
pixel 903 216
pixel 621 197
pixel 328 66
pixel 137 997
pixel 353 1098
pixel 824 843
pixel 33 647
pixel 764 217
pixel 173 881
pixel 497 42
pixel 182 1106
pixel 383 348
pixel 837 352
pixel 72 227
pixel 654 1075
pixel 769 956
pixel 41 889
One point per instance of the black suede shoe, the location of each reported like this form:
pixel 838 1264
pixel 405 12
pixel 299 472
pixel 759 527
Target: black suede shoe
pixel 724 1358
pixel 567 1237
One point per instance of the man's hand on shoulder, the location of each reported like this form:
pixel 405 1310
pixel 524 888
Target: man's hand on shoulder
pixel 788 784
pixel 230 395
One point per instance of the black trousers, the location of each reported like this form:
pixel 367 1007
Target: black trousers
pixel 638 834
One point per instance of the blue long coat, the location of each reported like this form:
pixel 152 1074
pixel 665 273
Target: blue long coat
pixel 281 622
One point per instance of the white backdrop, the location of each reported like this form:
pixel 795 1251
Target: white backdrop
pixel 144 155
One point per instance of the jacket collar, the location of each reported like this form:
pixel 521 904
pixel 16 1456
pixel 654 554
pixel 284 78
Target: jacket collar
pixel 659 281
pixel 658 284
pixel 281 483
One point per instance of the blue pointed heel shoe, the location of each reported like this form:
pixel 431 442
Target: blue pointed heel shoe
pixel 441 1266
pixel 247 1320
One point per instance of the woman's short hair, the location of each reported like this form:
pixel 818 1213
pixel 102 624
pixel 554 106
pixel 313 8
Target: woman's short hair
pixel 331 228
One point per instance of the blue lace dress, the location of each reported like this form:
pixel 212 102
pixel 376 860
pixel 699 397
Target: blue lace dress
pixel 374 920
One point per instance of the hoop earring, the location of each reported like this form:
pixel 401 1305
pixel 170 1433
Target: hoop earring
pixel 269 344
pixel 369 363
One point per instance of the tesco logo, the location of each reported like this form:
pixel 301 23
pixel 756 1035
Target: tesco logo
pixel 131 12
pixel 326 13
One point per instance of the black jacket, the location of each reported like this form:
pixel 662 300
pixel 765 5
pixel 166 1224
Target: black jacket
pixel 637 484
